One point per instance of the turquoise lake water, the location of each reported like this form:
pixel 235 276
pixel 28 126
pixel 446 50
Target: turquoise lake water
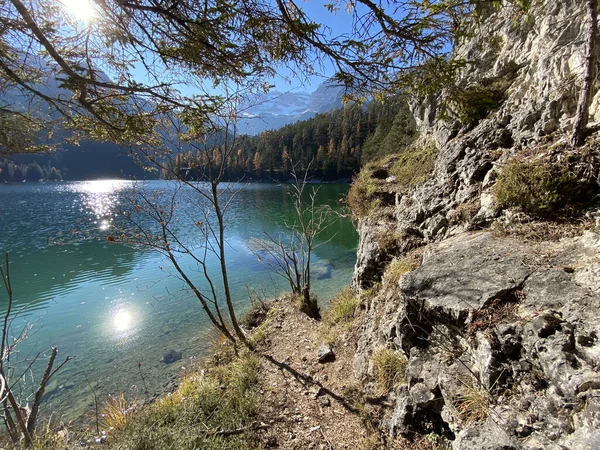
pixel 117 309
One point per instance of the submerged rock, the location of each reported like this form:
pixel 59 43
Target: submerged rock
pixel 171 356
pixel 322 271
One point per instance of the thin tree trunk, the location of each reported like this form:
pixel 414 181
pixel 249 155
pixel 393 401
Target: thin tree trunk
pixel 20 419
pixel 221 244
pixel 10 423
pixel 585 96
pixel 31 421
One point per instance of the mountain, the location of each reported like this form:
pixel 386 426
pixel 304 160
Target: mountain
pixel 276 109
pixel 327 97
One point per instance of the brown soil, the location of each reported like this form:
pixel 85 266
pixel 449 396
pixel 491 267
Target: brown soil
pixel 308 404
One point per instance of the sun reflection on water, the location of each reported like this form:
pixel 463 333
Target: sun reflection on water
pixel 123 325
pixel 122 320
pixel 100 198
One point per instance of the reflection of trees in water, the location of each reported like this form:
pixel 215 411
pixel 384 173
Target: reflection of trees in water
pixel 274 209
pixel 40 274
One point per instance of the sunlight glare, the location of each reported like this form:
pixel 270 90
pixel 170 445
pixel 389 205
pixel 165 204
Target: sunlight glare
pixel 122 320
pixel 79 9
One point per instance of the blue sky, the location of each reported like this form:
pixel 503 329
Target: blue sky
pixel 336 23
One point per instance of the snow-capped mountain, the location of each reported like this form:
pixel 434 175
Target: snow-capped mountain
pixel 276 109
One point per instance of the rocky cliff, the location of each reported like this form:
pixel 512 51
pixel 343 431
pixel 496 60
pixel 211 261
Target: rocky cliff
pixel 498 320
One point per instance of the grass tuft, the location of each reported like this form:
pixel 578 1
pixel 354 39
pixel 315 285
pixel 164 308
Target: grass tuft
pixel 116 412
pixel 374 189
pixel 260 334
pixel 343 307
pixel 414 166
pixel 389 367
pixel 473 403
pixel 398 268
pixel 48 438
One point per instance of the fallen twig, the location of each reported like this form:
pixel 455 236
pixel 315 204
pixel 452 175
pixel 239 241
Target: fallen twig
pixel 236 431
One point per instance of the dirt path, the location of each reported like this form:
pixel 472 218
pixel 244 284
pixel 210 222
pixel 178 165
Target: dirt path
pixel 302 414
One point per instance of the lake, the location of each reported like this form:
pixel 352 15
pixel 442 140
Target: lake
pixel 116 309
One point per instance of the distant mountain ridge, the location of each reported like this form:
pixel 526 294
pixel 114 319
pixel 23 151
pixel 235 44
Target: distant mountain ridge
pixel 276 109
pixel 269 111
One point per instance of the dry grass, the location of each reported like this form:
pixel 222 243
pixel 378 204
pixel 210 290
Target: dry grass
pixel 48 437
pixel 495 312
pixel 473 402
pixel 370 443
pixel 414 166
pixel 116 412
pixel 465 212
pixel 398 268
pixel 422 442
pixel 389 367
pixel 328 335
pixel 224 397
pixel 539 231
pixel 388 239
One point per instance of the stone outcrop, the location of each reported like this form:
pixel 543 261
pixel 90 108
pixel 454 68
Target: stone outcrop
pixel 537 57
pixel 501 342
pixel 500 336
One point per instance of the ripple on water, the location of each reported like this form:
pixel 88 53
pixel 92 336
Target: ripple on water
pixel 117 310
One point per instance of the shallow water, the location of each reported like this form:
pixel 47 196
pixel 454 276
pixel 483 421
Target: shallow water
pixel 117 309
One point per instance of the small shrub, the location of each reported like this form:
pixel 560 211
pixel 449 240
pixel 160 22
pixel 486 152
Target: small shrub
pixel 538 187
pixel 343 306
pixel 470 104
pixel 389 368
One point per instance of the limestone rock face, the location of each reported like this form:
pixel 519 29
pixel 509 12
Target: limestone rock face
pixel 501 337
pixel 540 52
pixel 501 342
pixel 538 58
